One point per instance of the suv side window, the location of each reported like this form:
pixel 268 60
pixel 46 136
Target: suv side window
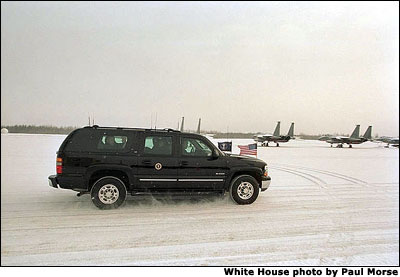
pixel 158 145
pixel 195 148
pixel 111 142
pixel 97 141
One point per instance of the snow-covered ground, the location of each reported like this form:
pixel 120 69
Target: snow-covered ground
pixel 325 206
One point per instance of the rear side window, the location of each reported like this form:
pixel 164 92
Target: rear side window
pixel 111 142
pixel 89 140
pixel 158 145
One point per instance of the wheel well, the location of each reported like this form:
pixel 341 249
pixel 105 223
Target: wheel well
pixel 251 173
pixel 103 173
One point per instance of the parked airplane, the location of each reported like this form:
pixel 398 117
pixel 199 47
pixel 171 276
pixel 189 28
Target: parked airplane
pixel 353 139
pixel 394 142
pixel 389 140
pixel 275 137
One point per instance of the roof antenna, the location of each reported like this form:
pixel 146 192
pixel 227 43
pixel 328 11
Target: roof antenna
pixel 155 123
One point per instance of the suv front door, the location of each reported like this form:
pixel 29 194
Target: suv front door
pixel 198 168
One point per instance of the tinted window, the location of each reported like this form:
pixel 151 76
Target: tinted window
pixel 158 145
pixel 89 140
pixel 81 140
pixel 111 142
pixel 195 147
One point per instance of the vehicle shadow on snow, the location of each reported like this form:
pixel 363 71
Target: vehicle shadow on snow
pixel 173 200
pixel 144 201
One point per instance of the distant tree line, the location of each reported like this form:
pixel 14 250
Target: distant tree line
pixel 48 129
pixel 41 129
pixel 232 135
pixel 305 136
pixel 251 135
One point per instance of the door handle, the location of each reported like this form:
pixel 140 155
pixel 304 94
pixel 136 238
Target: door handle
pixel 184 162
pixel 146 162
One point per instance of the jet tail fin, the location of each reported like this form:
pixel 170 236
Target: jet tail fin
pixel 356 132
pixel 368 133
pixel 277 129
pixel 291 130
pixel 183 121
pixel 198 126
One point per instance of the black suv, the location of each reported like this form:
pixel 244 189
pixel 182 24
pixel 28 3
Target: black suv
pixel 110 162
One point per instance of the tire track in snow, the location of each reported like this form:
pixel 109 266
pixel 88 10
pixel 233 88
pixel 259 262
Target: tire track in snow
pixel 330 173
pixel 321 183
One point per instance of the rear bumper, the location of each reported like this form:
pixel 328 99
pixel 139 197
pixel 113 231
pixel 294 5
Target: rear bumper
pixel 265 182
pixel 76 183
pixel 53 181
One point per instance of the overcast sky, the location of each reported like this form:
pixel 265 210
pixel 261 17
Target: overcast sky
pixel 325 66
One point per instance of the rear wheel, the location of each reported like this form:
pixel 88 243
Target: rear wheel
pixel 108 193
pixel 244 189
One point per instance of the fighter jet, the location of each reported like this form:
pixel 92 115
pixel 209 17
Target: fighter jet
pixel 389 140
pixel 353 139
pixel 275 137
pixel 394 142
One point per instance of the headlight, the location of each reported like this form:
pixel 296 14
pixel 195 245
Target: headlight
pixel 266 170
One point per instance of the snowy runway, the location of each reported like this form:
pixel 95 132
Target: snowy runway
pixel 325 206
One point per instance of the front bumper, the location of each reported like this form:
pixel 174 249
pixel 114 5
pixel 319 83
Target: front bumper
pixel 53 181
pixel 265 182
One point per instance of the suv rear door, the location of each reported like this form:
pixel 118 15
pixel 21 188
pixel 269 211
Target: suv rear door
pixel 157 161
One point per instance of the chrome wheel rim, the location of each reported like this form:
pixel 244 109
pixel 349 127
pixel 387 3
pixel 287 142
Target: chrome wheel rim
pixel 108 194
pixel 245 190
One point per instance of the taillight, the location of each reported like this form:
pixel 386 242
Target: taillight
pixel 59 165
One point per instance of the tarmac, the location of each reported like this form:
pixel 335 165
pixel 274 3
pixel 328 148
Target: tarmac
pixel 325 206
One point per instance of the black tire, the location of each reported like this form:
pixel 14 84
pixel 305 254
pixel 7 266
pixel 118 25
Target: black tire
pixel 246 181
pixel 115 189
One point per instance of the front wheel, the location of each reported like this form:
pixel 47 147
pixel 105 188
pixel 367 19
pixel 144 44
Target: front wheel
pixel 108 193
pixel 244 189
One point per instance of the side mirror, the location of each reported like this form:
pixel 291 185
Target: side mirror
pixel 215 154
